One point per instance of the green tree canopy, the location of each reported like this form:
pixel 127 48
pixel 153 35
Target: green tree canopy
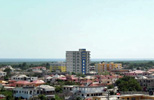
pixel 110 86
pixel 58 89
pixel 8 70
pixel 42 97
pixel 128 84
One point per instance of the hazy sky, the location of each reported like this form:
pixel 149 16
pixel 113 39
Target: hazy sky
pixel 49 28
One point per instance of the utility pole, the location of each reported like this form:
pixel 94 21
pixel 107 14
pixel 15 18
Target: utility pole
pixel 108 95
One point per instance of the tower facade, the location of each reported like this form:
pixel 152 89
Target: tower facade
pixel 78 61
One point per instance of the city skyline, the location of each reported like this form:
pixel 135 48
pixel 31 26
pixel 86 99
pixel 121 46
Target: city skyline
pixel 47 29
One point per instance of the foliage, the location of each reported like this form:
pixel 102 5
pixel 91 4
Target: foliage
pixel 61 83
pixel 110 87
pixel 47 65
pixel 80 75
pixel 139 65
pixel 6 78
pixel 7 93
pixel 78 98
pixel 105 73
pixel 57 97
pixel 128 84
pixel 8 71
pixel 73 73
pixel 37 75
pixel 112 93
pixel 42 97
pixel 58 89
pixel 53 99
pixel 92 64
pixel 25 65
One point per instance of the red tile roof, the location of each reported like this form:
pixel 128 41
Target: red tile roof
pixel 38 82
pixel 23 82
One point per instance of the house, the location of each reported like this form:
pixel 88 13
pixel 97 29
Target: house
pixel 10 67
pixel 30 92
pixel 23 78
pixel 84 91
pixel 105 97
pixel 2 96
pixel 72 78
pixel 137 73
pixel 145 82
pixel 47 79
pixel 2 74
pixel 151 70
pixel 23 84
pixel 136 97
pixel 39 69
pixel 108 79
pixel 38 82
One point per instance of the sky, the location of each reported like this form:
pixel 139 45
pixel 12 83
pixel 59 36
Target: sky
pixel 49 28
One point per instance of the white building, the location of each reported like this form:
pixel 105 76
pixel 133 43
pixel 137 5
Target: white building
pixel 85 91
pixel 10 67
pixel 30 92
pixel 38 69
pixel 24 78
pixel 2 73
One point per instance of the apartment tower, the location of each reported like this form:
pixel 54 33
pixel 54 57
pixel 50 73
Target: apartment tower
pixel 78 61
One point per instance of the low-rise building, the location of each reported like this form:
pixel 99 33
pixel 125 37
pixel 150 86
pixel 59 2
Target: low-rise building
pixel 136 97
pixel 58 67
pixel 105 97
pixel 145 82
pixel 30 92
pixel 2 73
pixel 39 69
pixel 5 67
pixel 84 91
pixel 124 97
pixel 101 67
pixel 23 77
pixel 137 73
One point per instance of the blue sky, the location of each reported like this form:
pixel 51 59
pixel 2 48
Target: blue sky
pixel 49 28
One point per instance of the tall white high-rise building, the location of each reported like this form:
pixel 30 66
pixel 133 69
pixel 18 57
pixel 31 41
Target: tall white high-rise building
pixel 78 61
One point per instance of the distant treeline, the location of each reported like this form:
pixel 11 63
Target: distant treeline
pixel 142 65
pixel 145 64
pixel 26 65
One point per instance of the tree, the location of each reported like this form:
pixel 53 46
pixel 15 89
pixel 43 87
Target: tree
pixel 57 97
pixel 110 87
pixel 24 64
pixel 92 64
pixel 9 97
pixel 52 98
pixel 73 73
pixel 2 88
pixel 47 65
pixel 128 84
pixel 78 98
pixel 58 89
pixel 42 97
pixel 111 93
pixel 8 71
pixel 6 78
